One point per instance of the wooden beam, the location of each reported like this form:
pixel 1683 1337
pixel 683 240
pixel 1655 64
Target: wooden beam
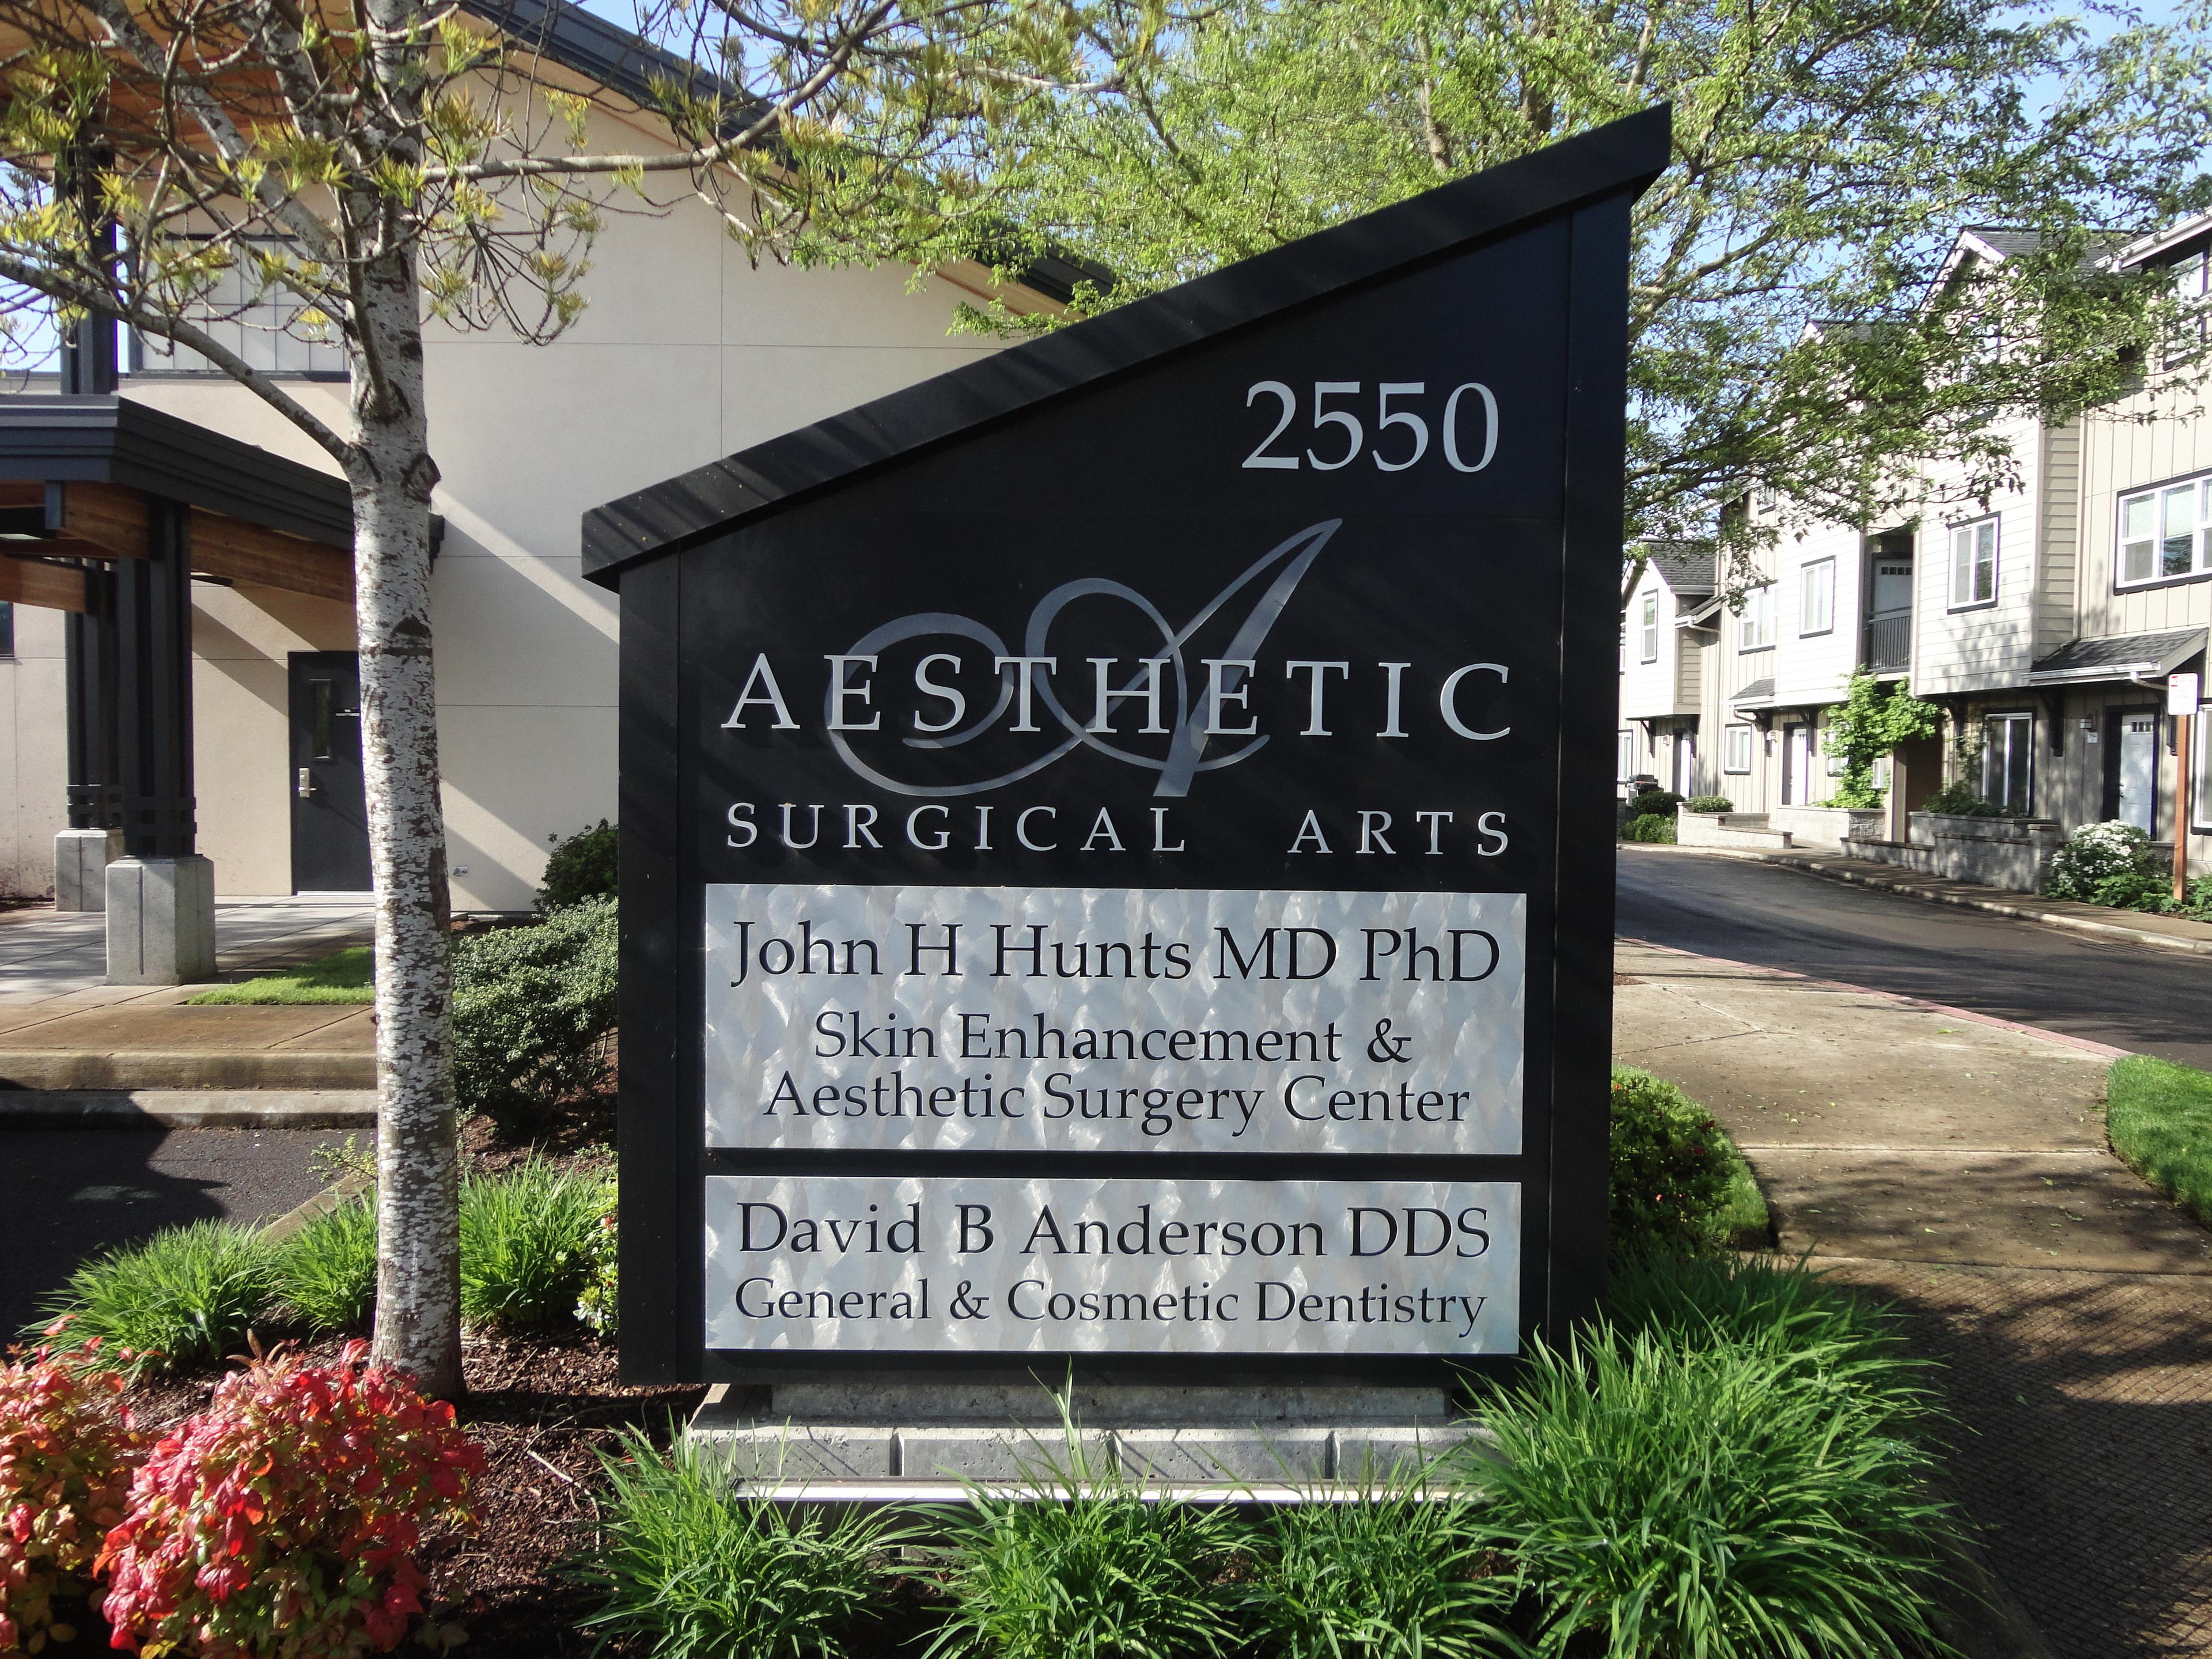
pixel 254 554
pixel 110 517
pixel 54 588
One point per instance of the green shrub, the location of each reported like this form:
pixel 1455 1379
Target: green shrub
pixel 1710 803
pixel 1653 827
pixel 2159 1117
pixel 1661 801
pixel 1961 800
pixel 1673 1168
pixel 1662 1495
pixel 688 1569
pixel 2109 863
pixel 1398 1575
pixel 527 1241
pixel 1092 1571
pixel 582 868
pixel 186 1297
pixel 326 1271
pixel 533 1008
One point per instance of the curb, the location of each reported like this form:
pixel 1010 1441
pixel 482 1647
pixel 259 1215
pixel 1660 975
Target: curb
pixel 350 1187
pixel 181 1109
pixel 2020 912
pixel 131 1071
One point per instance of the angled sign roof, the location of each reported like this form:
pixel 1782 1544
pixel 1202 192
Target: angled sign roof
pixel 1625 155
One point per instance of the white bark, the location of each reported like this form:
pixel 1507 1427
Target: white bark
pixel 418 1156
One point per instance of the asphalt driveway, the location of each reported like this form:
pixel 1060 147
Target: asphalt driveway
pixel 2139 997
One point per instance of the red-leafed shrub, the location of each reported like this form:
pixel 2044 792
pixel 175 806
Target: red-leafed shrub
pixel 66 1452
pixel 282 1522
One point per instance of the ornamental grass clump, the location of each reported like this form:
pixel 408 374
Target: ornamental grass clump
pixel 282 1522
pixel 1401 1573
pixel 1661 1493
pixel 1087 1569
pixel 530 1245
pixel 687 1568
pixel 184 1298
pixel 326 1271
pixel 67 1449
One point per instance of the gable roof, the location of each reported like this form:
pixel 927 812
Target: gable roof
pixel 1625 155
pixel 1686 568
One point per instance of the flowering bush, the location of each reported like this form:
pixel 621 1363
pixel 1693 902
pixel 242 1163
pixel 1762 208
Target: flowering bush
pixel 599 1306
pixel 282 1522
pixel 66 1450
pixel 2106 863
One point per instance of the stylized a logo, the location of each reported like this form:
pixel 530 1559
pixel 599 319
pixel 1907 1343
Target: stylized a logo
pixel 1186 740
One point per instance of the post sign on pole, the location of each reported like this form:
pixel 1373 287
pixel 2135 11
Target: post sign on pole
pixel 1117 839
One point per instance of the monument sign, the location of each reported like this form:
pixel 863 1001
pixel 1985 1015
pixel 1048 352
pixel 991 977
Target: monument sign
pixel 1116 839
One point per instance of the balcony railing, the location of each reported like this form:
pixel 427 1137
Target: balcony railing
pixel 1889 642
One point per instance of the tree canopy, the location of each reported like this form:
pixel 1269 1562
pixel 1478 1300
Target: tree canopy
pixel 1789 328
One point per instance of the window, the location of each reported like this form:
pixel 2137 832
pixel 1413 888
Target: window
pixel 1623 647
pixel 1735 749
pixel 2163 532
pixel 7 628
pixel 1816 613
pixel 260 324
pixel 2192 285
pixel 1647 634
pixel 2007 762
pixel 1755 622
pixel 1973 564
pixel 1624 761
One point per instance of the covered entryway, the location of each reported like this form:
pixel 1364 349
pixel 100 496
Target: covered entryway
pixel 2131 766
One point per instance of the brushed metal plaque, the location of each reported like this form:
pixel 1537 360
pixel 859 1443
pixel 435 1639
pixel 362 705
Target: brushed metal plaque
pixel 1067 1265
pixel 1114 1019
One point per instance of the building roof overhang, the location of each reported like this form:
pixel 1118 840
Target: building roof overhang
pixel 1760 694
pixel 2118 657
pixel 48 438
pixel 1623 156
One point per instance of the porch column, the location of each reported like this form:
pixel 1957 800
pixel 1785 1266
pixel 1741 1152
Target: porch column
pixel 161 894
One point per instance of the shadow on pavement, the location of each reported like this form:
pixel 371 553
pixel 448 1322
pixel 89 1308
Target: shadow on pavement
pixel 66 1194
pixel 2083 1445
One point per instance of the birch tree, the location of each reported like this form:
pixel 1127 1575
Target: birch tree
pixel 1794 325
pixel 371 165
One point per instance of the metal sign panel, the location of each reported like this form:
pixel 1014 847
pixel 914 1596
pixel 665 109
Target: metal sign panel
pixel 1152 784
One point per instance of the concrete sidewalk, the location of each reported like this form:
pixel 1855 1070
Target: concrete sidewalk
pixel 1957 1165
pixel 44 955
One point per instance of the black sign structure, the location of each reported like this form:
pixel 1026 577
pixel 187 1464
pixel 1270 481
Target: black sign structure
pixel 1117 839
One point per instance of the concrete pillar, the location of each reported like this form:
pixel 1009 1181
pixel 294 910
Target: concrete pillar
pixel 161 920
pixel 81 861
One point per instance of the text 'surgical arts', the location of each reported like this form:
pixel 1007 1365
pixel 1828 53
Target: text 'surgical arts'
pixel 1116 1019
pixel 1068 1265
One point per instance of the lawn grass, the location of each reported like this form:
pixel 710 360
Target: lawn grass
pixel 2159 1117
pixel 341 976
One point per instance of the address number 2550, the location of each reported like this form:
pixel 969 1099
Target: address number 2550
pixel 1401 430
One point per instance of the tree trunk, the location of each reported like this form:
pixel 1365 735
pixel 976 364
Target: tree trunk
pixel 418 1156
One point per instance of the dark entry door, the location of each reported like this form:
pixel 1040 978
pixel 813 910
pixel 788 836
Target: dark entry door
pixel 330 802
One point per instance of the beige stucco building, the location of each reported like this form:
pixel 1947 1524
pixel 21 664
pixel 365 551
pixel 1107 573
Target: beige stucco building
pixel 687 352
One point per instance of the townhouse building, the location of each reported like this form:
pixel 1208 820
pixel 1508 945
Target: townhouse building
pixel 2044 620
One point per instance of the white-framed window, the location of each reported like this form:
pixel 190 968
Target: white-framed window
pixel 1647 629
pixel 1973 564
pixel 2009 762
pixel 1816 609
pixel 2192 286
pixel 2166 532
pixel 1735 749
pixel 1755 627
pixel 1623 756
